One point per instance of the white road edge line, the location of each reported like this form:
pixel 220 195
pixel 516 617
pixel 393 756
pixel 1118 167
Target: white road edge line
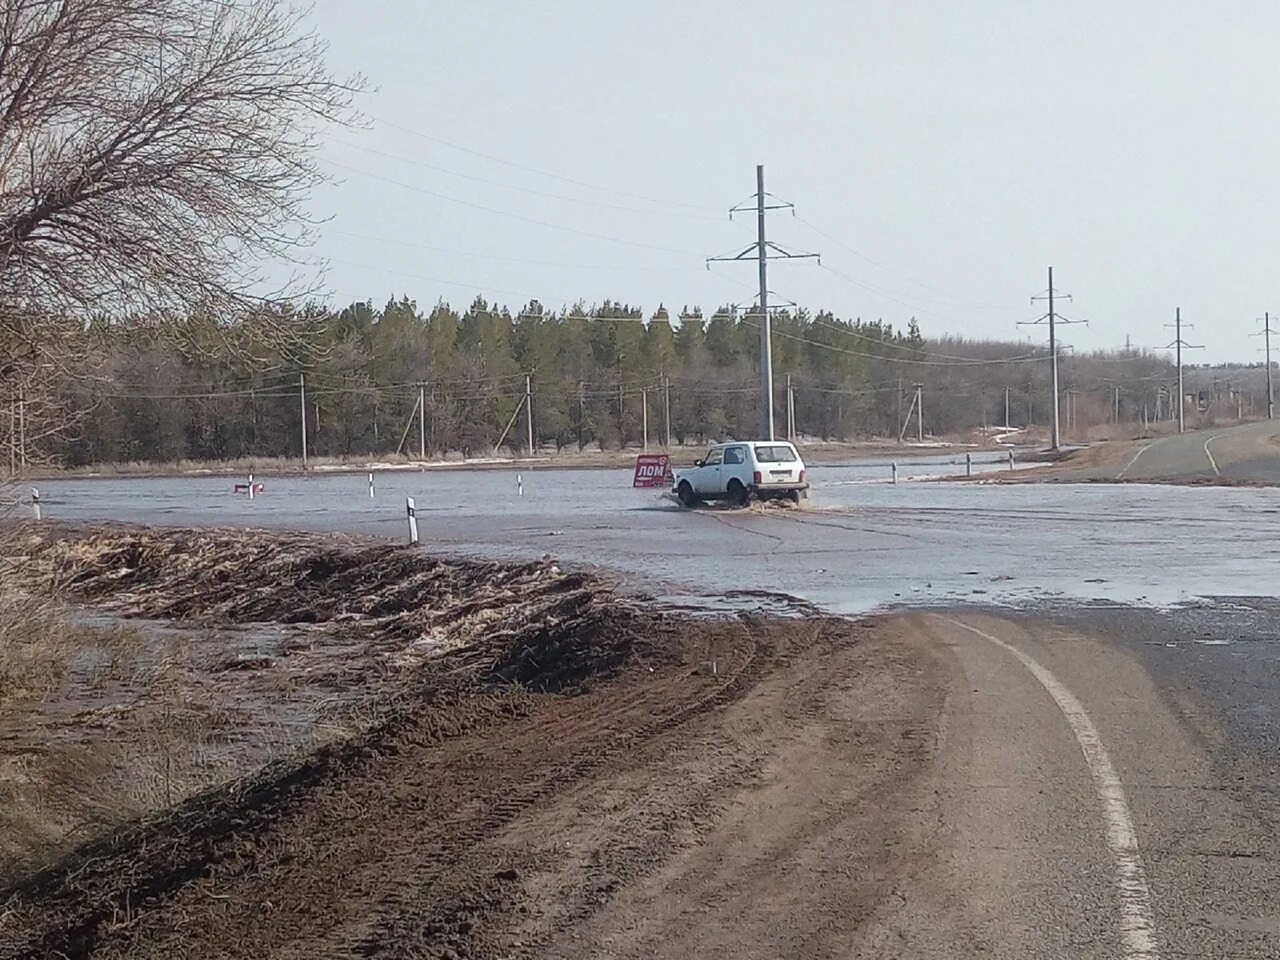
pixel 1137 923
pixel 1120 475
pixel 1212 462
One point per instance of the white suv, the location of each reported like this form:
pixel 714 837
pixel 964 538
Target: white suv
pixel 765 469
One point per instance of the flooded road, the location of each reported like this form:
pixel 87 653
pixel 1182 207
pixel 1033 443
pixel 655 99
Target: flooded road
pixel 862 543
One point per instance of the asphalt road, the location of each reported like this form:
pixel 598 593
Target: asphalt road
pixel 1082 810
pixel 1249 452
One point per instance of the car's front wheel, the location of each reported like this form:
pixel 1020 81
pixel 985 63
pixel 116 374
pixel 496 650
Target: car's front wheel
pixel 686 495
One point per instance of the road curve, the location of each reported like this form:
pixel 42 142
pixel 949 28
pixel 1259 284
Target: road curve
pixel 1247 452
pixel 1065 810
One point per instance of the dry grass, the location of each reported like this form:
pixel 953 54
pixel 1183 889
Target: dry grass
pixel 100 725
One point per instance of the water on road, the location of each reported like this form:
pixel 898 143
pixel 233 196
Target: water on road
pixel 862 543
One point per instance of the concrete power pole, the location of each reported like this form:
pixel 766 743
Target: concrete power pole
pixel 644 419
pixel 666 407
pixel 1266 332
pixel 1006 408
pixel 764 251
pixel 791 410
pixel 1054 318
pixel 422 421
pixel 766 335
pixel 302 404
pixel 919 413
pixel 1178 344
pixel 528 408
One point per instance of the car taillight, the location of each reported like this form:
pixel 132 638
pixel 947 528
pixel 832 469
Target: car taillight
pixel 755 477
pixel 802 476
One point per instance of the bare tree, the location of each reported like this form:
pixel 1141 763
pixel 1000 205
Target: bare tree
pixel 155 153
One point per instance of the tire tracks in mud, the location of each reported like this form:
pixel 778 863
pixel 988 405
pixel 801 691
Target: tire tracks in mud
pixel 164 918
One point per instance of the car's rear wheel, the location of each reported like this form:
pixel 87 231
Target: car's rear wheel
pixel 686 494
pixel 738 493
pixel 794 496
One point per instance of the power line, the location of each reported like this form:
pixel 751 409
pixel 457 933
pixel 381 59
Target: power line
pixel 901 276
pixel 506 213
pixel 493 256
pixel 541 173
pixel 519 189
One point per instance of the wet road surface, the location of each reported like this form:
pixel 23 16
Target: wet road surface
pixel 863 543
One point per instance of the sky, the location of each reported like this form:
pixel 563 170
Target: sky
pixel 940 157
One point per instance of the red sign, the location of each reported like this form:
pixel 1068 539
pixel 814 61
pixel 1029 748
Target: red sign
pixel 652 470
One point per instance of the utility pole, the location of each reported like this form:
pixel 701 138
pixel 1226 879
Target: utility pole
pixel 1115 416
pixel 764 251
pixel 422 421
pixel 528 408
pixel 1266 332
pixel 666 407
pixel 791 411
pixel 919 413
pixel 644 419
pixel 302 403
pixel 1054 319
pixel 1178 344
pixel 1006 408
pixel 900 432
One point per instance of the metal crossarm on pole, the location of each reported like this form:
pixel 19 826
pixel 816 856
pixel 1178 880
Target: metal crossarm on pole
pixel 763 250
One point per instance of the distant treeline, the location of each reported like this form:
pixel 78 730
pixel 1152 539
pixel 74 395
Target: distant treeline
pixel 200 389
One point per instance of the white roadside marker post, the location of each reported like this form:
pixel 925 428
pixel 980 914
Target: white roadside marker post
pixel 412 511
pixel 35 502
pixel 968 464
pixel 371 486
pixel 251 486
pixel 519 485
pixel 895 471
pixel 1010 459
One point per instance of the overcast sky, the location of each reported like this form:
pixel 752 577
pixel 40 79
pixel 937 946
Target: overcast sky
pixel 949 153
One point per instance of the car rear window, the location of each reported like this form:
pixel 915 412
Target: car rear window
pixel 775 454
